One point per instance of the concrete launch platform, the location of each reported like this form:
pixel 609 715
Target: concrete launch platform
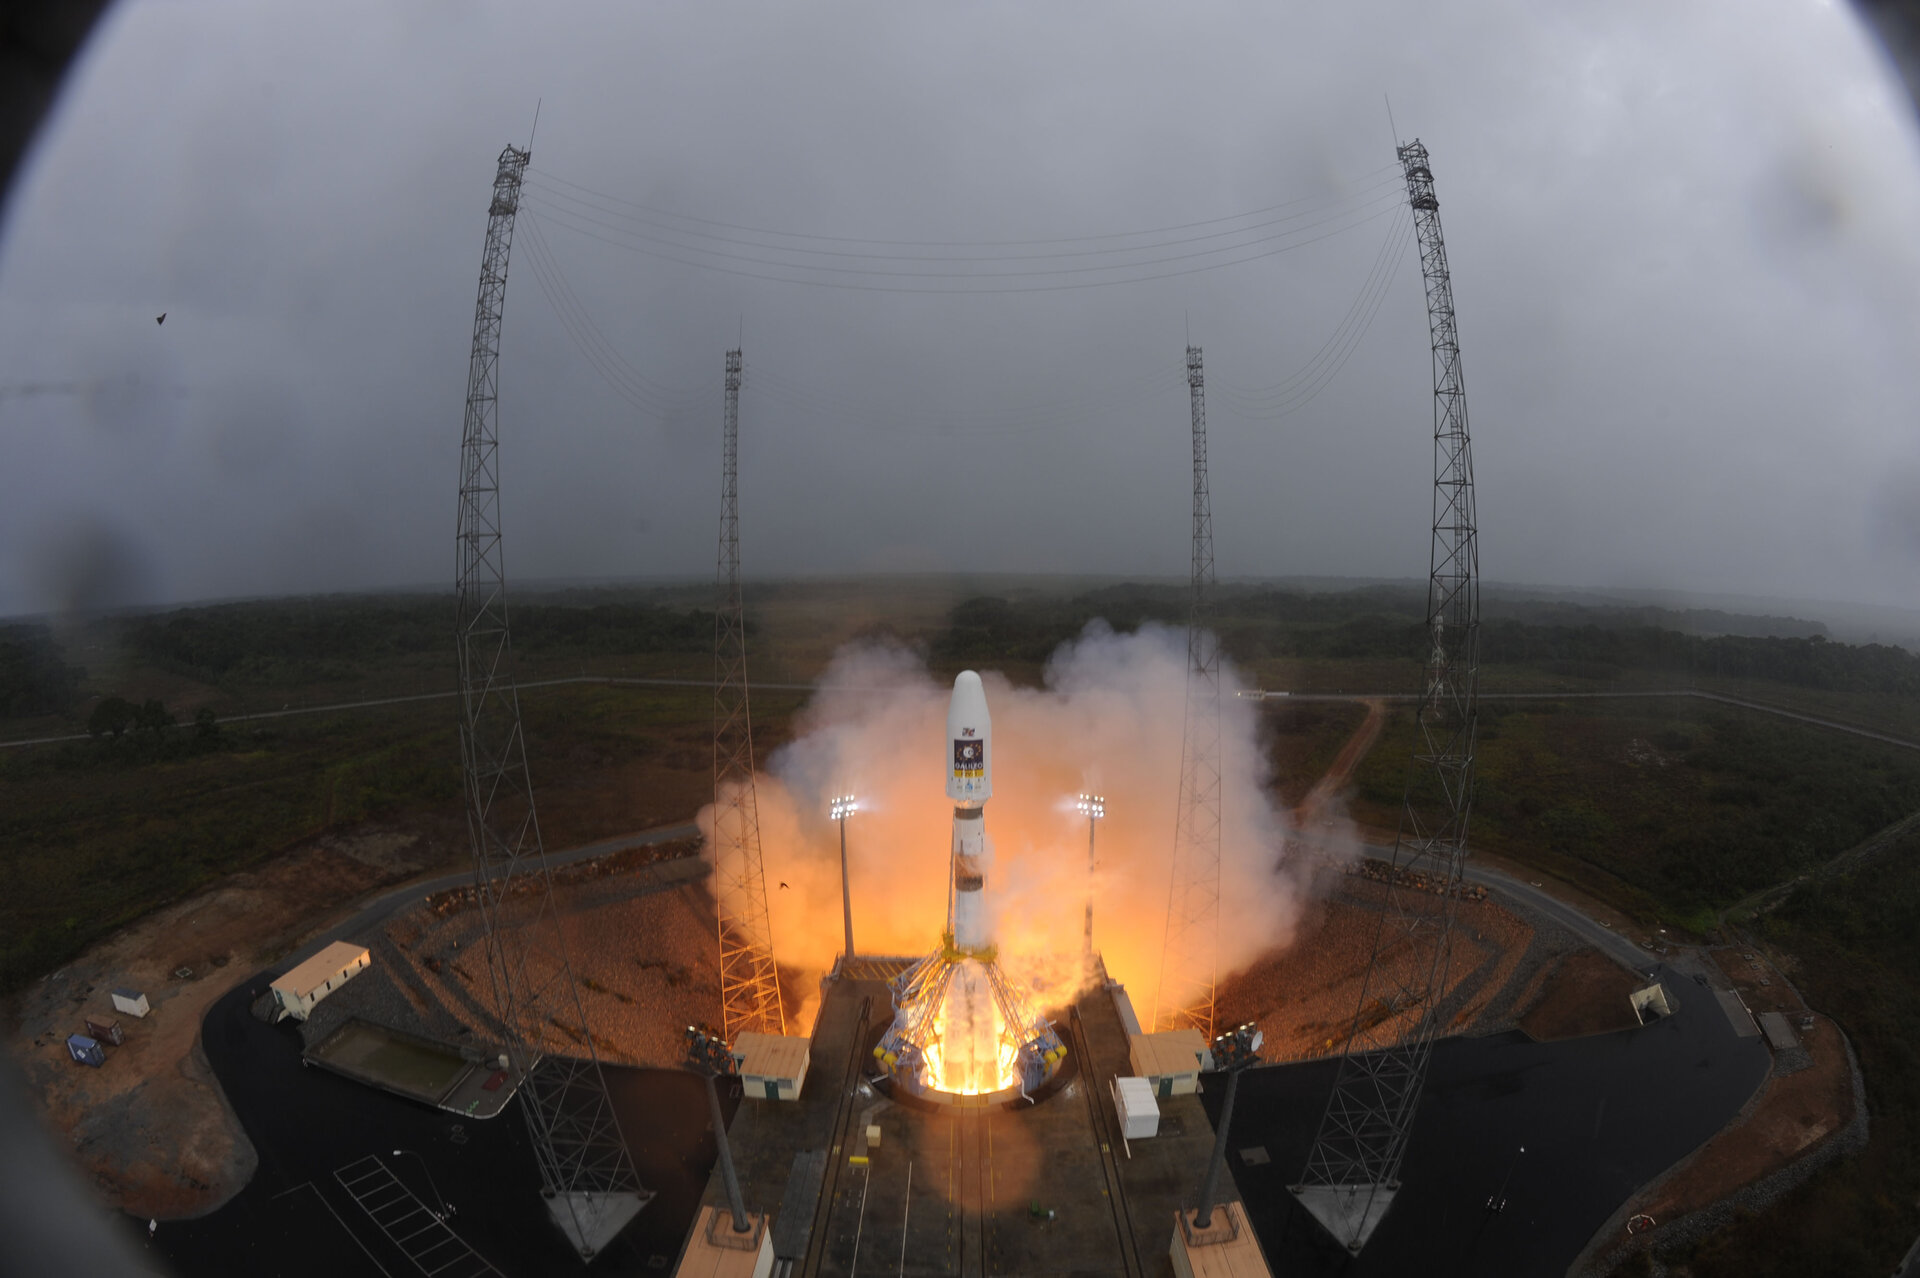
pixel 953 1190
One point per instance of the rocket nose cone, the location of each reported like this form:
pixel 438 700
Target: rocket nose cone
pixel 970 738
pixel 969 703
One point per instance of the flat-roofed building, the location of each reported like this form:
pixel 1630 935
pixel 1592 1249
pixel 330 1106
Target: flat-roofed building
pixel 300 990
pixel 1171 1060
pixel 772 1066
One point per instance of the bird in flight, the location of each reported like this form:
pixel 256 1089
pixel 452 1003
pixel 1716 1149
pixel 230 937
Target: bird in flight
pixel 783 885
pixel 161 319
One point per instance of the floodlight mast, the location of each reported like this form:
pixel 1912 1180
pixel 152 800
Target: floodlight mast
pixel 586 1173
pixel 1353 1170
pixel 711 1057
pixel 843 807
pixel 1092 807
pixel 1188 955
pixel 749 982
pixel 1233 1052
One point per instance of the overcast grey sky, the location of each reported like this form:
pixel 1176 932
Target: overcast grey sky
pixel 1682 237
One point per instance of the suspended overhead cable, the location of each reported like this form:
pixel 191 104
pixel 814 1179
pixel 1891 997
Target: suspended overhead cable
pixel 660 402
pixel 985 281
pixel 577 322
pixel 1021 418
pixel 597 212
pixel 1300 389
pixel 1366 181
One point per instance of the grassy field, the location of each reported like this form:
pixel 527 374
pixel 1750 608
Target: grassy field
pixel 1671 808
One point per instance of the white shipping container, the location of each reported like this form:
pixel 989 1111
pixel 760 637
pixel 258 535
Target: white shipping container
pixel 1139 1111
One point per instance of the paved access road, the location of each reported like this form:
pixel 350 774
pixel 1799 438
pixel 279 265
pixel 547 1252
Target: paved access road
pixel 384 907
pixel 1598 1117
pixel 1603 938
pixel 322 1140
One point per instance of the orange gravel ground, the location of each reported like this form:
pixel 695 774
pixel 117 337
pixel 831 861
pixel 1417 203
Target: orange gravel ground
pixel 1304 997
pixel 1793 1115
pixel 1586 994
pixel 151 1127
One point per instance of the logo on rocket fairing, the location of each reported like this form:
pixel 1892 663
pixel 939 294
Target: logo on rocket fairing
pixel 969 760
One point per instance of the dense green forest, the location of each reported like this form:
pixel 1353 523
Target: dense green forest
pixel 1859 956
pixel 34 679
pixel 303 641
pixel 1387 623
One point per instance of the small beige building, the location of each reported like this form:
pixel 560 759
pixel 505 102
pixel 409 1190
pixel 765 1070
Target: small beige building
pixel 1171 1061
pixel 298 991
pixel 772 1066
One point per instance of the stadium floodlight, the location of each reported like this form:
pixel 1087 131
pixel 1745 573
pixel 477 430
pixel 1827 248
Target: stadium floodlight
pixel 1232 1052
pixel 711 1056
pixel 843 807
pixel 1092 807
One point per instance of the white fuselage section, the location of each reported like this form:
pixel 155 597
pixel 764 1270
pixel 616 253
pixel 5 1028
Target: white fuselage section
pixel 969 766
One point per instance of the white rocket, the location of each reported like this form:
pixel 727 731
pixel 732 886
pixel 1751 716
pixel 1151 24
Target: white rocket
pixel 969 785
pixel 960 1027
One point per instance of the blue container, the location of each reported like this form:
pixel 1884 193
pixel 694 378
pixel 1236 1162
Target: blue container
pixel 85 1051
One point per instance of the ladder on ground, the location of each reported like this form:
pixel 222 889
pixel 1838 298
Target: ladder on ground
pixel 420 1234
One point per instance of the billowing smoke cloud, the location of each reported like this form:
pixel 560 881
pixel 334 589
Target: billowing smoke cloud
pixel 1108 719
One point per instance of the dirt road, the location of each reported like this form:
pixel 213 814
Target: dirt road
pixel 1340 772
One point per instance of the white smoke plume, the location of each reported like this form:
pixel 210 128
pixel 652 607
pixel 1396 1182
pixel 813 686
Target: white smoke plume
pixel 1109 719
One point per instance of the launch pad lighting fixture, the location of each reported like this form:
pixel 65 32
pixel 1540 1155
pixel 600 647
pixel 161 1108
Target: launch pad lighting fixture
pixel 1091 806
pixel 843 807
pixel 711 1056
pixel 1232 1052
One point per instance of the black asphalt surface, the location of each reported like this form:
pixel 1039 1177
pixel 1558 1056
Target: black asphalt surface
pixel 1598 1116
pixel 294 1218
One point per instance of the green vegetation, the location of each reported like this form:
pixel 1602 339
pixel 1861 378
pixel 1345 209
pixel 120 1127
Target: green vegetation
pixel 34 679
pixel 1668 807
pixel 97 833
pixel 294 643
pixel 1859 956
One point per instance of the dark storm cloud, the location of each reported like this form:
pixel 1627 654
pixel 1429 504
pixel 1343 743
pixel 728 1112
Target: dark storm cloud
pixel 1686 283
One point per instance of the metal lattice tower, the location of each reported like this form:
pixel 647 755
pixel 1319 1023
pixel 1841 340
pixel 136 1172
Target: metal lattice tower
pixel 1188 975
pixel 749 984
pixel 586 1174
pixel 1354 1168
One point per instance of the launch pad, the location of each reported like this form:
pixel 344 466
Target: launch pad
pixel 963 1185
pixel 962 1034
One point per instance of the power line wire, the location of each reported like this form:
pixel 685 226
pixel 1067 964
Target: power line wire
pixel 585 209
pixel 964 279
pixel 1273 410
pixel 1365 180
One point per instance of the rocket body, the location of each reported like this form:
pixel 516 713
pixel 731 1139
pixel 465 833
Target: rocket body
pixel 969 784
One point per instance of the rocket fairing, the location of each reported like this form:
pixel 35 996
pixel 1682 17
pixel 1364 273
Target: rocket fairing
pixel 969 785
pixel 970 731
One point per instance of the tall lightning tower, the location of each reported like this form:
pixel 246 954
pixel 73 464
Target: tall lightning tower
pixel 1353 1170
pixel 586 1174
pixel 1188 973
pixel 749 985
